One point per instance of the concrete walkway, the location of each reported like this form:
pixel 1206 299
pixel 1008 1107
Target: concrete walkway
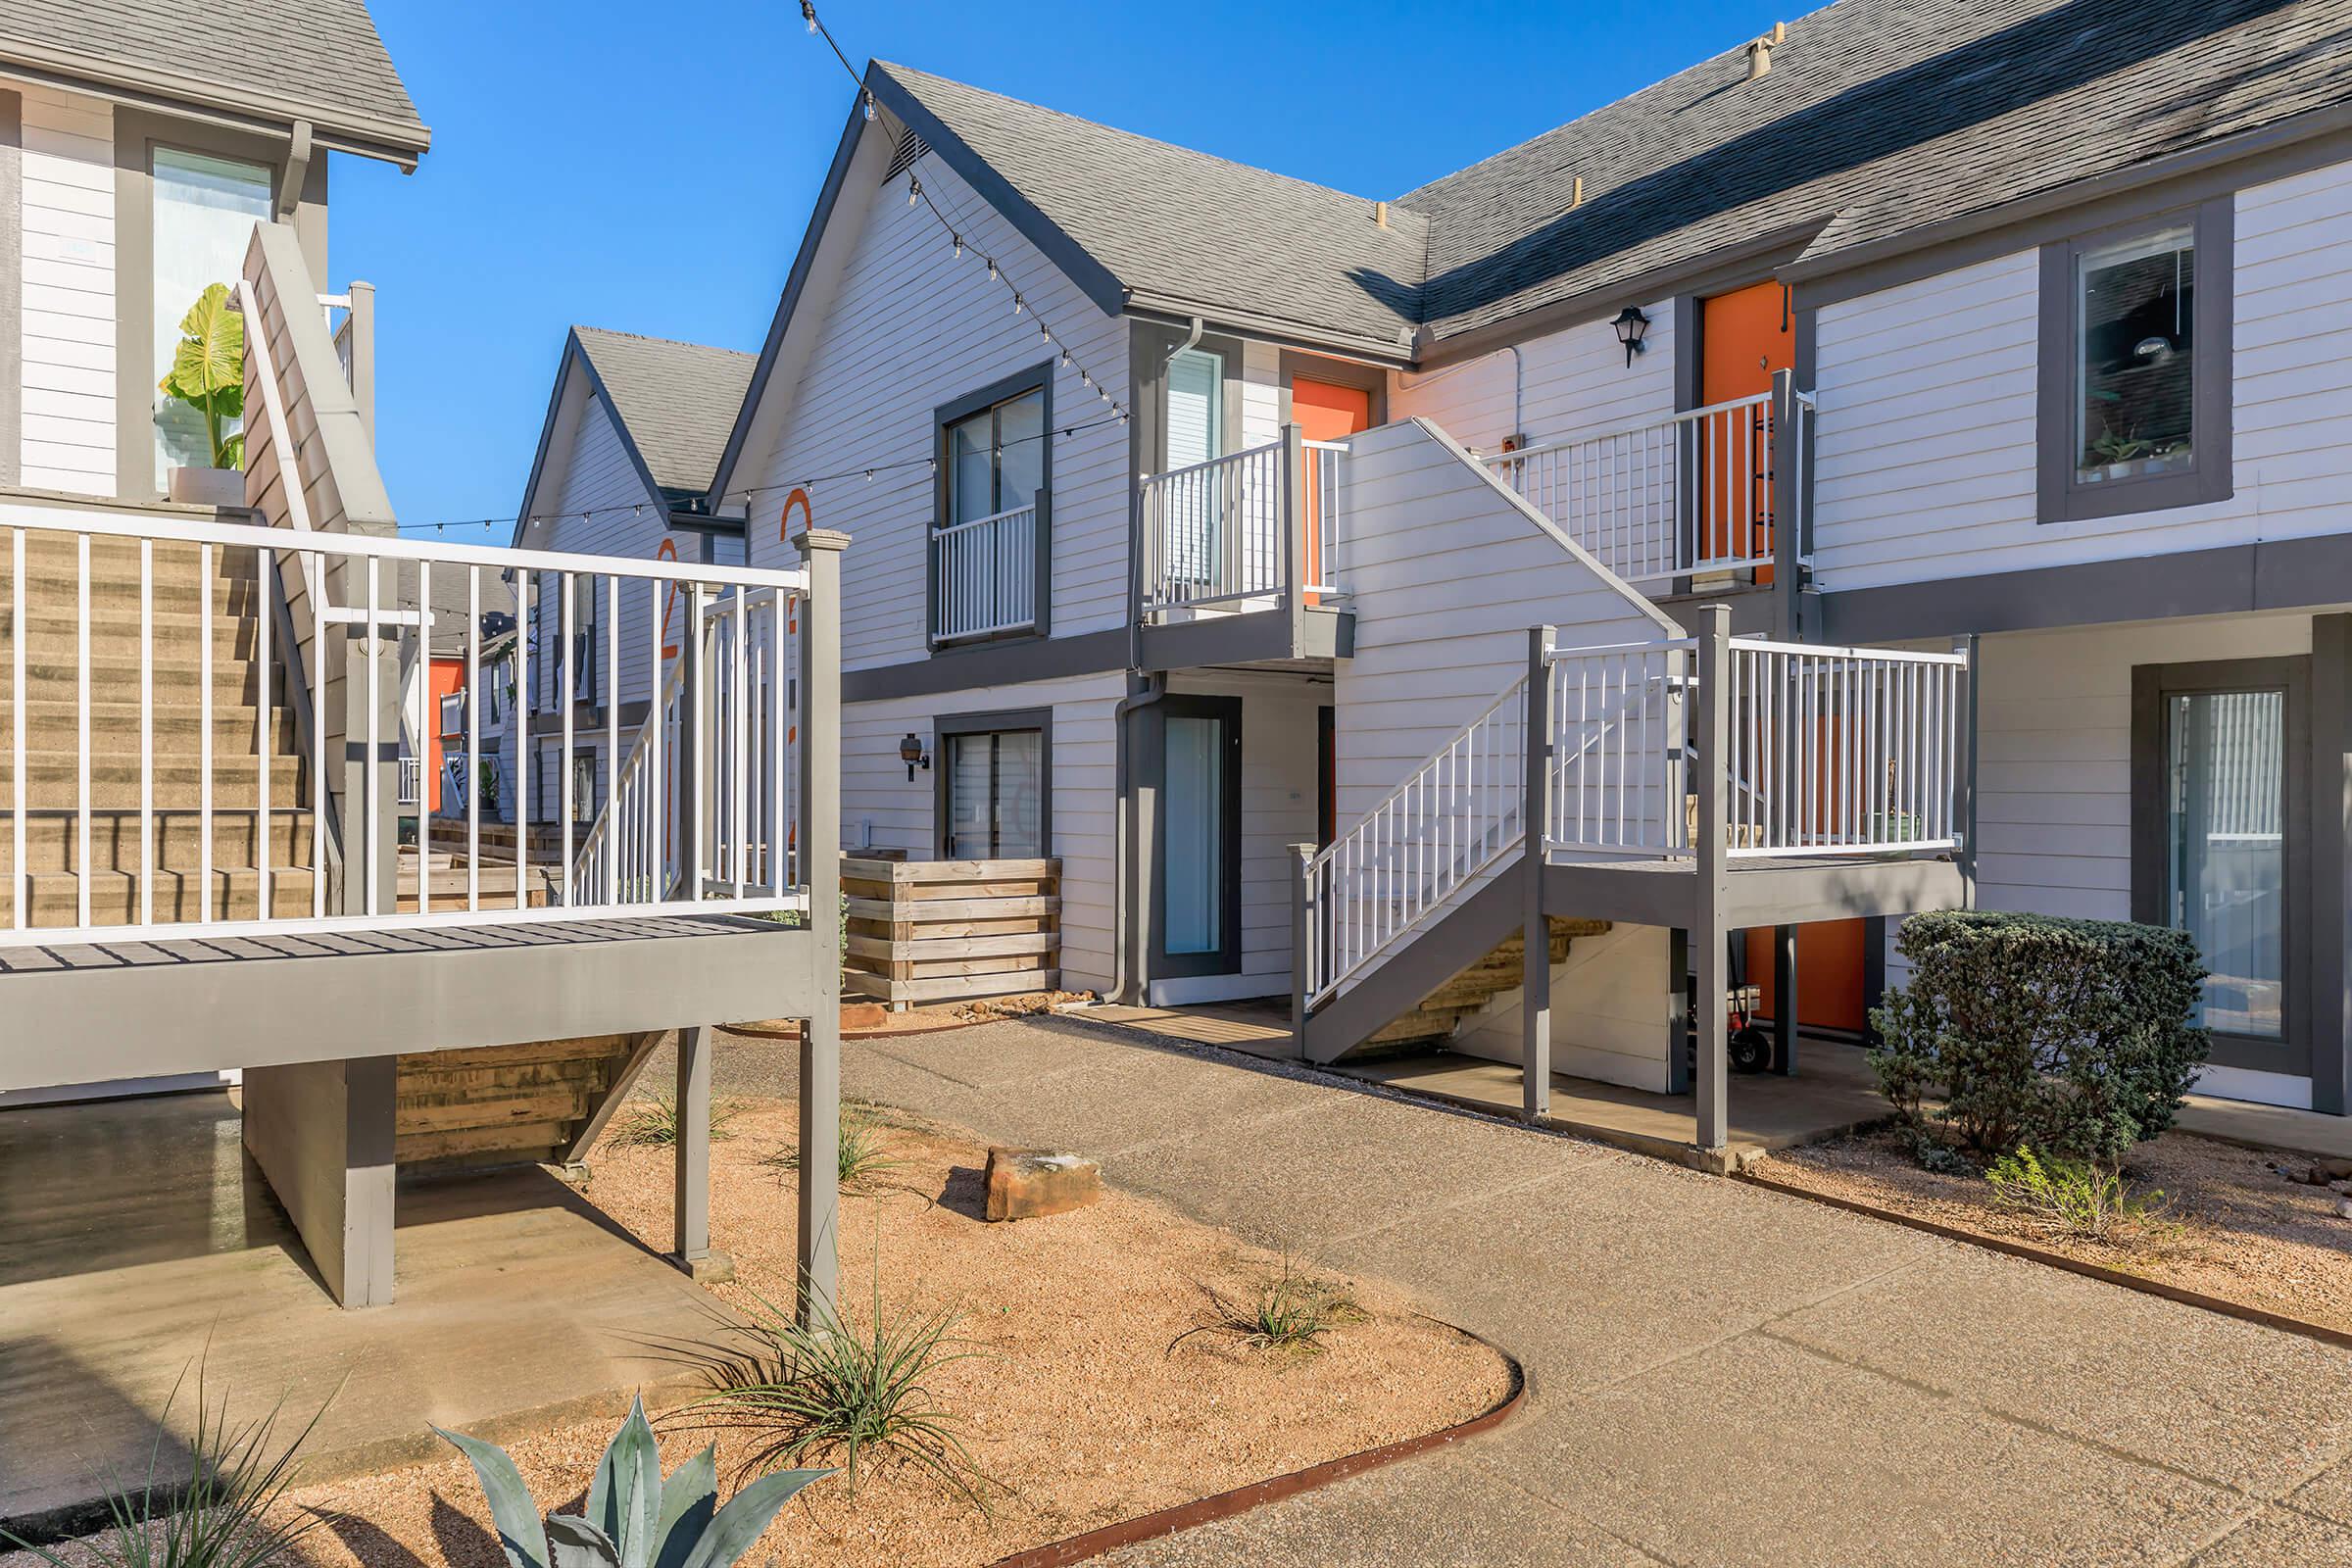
pixel 1720 1375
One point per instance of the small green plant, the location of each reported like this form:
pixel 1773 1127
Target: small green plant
pixel 863 1161
pixel 654 1123
pixel 224 1515
pixel 636 1518
pixel 837 1385
pixel 2070 1197
pixel 208 371
pixel 1290 1308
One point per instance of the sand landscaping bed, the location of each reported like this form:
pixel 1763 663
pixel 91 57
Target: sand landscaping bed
pixel 1075 1410
pixel 2234 1225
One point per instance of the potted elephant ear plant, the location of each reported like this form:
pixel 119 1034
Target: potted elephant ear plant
pixel 208 374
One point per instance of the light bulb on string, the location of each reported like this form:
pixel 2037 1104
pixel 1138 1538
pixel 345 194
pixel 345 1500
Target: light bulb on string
pixel 869 108
pixel 809 14
pixel 914 190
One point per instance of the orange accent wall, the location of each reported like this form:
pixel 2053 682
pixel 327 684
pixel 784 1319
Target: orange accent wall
pixel 1744 337
pixel 442 677
pixel 1325 411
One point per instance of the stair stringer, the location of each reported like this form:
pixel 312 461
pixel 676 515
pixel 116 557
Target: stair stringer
pixel 1442 948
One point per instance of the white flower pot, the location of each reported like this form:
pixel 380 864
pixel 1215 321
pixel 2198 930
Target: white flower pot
pixel 207 487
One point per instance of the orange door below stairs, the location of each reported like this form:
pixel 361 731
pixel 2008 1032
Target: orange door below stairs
pixel 1324 412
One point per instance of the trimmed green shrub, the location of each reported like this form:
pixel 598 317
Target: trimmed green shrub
pixel 2071 1036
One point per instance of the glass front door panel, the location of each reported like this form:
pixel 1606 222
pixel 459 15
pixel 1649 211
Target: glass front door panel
pixel 996 795
pixel 205 210
pixel 2224 849
pixel 1195 835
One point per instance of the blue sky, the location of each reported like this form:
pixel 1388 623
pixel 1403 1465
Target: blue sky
pixel 650 169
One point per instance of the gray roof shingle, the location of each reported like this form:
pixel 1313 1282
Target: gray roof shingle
pixel 1882 115
pixel 321 58
pixel 676 400
pixel 1183 231
pixel 1877 117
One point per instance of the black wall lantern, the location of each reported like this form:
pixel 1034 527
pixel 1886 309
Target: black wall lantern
pixel 1632 327
pixel 911 752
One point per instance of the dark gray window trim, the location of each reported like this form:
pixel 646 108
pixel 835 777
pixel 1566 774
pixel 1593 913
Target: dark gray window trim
pixel 2061 498
pixel 1151 347
pixel 1039 719
pixel 2330 860
pixel 138 134
pixel 1036 379
pixel 1228 958
pixel 1372 378
pixel 2152 685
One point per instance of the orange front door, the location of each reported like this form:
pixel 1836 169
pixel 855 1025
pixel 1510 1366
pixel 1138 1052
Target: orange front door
pixel 1745 337
pixel 1324 412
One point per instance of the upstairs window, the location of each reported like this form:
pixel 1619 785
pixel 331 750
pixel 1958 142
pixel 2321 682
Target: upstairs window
pixel 2136 353
pixel 2134 408
pixel 995 458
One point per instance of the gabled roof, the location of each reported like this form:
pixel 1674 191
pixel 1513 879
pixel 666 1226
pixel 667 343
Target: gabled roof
pixel 1179 231
pixel 1878 119
pixel 277 61
pixel 674 404
pixel 676 401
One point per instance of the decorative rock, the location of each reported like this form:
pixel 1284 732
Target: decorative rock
pixel 1031 1183
pixel 2343 1208
pixel 861 1015
pixel 2334 1168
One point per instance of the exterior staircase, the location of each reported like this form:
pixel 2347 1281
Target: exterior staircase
pixel 540 1103
pixel 122 871
pixel 1433 1020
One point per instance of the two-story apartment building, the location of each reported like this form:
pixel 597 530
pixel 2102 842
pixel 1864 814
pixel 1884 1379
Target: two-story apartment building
pixel 1276 557
pixel 632 436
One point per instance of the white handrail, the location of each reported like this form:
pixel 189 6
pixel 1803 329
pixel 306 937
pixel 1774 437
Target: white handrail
pixel 1407 859
pixel 242 819
pixel 1686 495
pixel 984 575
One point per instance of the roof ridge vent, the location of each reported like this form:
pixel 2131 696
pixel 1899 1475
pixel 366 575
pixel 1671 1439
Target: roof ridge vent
pixel 1380 215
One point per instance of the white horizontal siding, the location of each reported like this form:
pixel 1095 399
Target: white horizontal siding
pixel 66 253
pixel 882 808
pixel 908 328
pixel 1446 575
pixel 1571 383
pixel 1925 438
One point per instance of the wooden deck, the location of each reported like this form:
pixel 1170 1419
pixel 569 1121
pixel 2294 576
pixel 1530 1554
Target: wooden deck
pixel 136 1233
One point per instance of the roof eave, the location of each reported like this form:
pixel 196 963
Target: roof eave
pixel 393 141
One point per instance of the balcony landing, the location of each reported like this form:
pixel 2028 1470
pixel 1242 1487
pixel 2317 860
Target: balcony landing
pixel 90 1013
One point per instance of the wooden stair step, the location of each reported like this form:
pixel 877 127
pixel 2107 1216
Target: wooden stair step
pixel 53 839
pixel 179 895
pixel 52 780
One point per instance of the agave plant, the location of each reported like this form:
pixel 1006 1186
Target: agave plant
pixel 635 1518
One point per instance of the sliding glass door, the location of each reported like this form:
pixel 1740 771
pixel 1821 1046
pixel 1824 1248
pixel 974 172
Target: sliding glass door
pixel 1200 848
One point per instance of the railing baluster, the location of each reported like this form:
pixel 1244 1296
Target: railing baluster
pixel 266 746
pixel 150 853
pixel 81 670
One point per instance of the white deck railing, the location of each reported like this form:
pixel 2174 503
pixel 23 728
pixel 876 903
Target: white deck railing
pixel 1222 535
pixel 1685 496
pixel 1455 815
pixel 190 838
pixel 984 575
pixel 706 801
pixel 1846 751
pixel 1826 752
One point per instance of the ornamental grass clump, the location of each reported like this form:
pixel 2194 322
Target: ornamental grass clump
pixel 860 1390
pixel 2073 1036
pixel 653 1123
pixel 862 1159
pixel 1290 1309
pixel 636 1517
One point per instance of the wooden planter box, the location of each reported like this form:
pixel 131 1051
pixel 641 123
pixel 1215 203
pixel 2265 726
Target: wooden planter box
pixel 923 931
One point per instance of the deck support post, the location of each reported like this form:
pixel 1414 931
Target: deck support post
pixel 1304 946
pixel 691 1208
pixel 1708 928
pixel 1783 999
pixel 1787 510
pixel 322 1133
pixel 1294 534
pixel 1535 817
pixel 820 841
